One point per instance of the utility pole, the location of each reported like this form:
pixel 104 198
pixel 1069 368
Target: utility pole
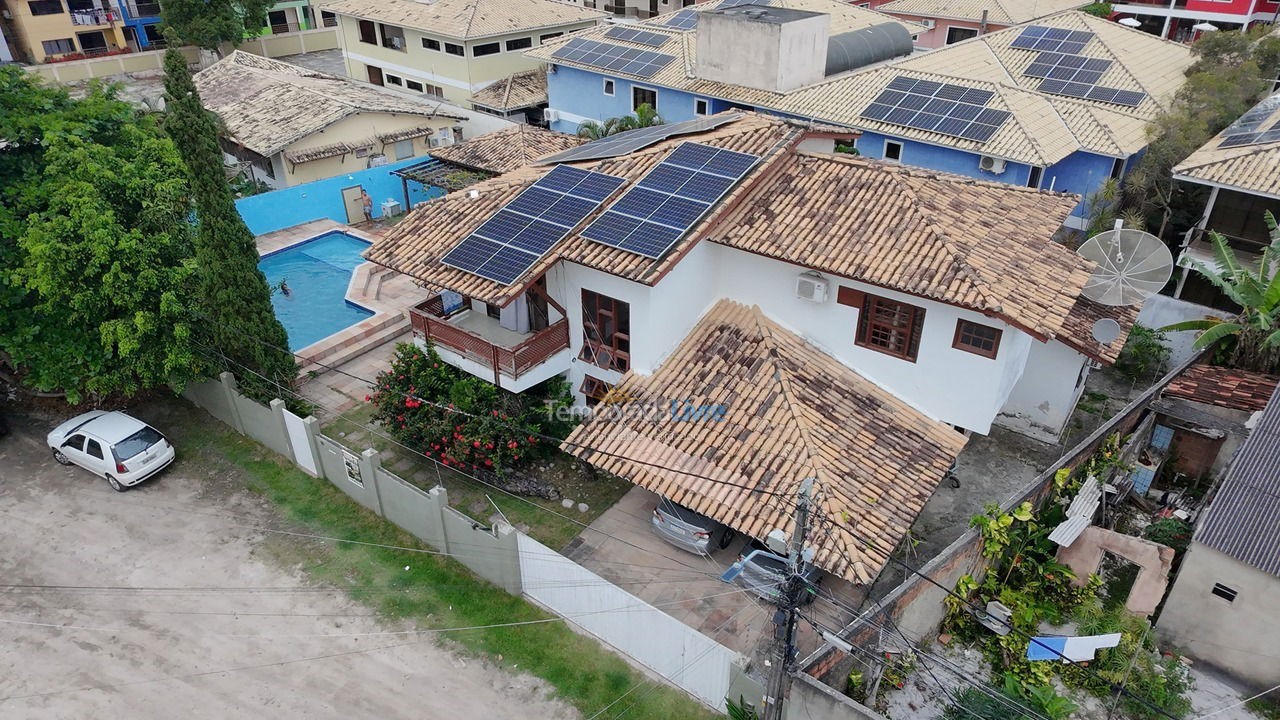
pixel 785 618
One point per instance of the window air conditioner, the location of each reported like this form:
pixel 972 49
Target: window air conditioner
pixel 550 115
pixel 991 164
pixel 811 287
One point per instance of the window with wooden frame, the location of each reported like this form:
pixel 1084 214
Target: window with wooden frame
pixel 978 339
pixel 890 327
pixel 595 390
pixel 606 330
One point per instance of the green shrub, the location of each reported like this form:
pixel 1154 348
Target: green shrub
pixel 972 702
pixel 1144 354
pixel 1101 9
pixel 472 423
pixel 1170 531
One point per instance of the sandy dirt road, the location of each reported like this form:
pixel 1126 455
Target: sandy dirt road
pixel 246 636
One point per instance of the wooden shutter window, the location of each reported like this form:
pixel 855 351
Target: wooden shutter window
pixel 890 327
pixel 978 339
pixel 849 296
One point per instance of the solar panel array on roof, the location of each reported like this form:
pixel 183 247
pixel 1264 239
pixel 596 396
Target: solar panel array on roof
pixel 670 199
pixel 632 140
pixel 1039 37
pixel 644 37
pixel 1085 91
pixel 607 56
pixel 938 107
pixel 518 235
pixel 1244 131
pixel 684 20
pixel 1073 68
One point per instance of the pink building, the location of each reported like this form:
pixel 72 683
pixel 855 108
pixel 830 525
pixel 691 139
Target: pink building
pixel 1175 19
pixel 950 21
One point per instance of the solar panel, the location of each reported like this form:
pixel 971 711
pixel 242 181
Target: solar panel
pixel 1085 91
pixel 632 140
pixel 1039 37
pixel 684 20
pixel 1071 68
pixel 607 56
pixel 506 245
pixel 644 37
pixel 670 199
pixel 937 107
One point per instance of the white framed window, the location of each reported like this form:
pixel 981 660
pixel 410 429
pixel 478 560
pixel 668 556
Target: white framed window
pixel 429 44
pixel 394 80
pixel 609 87
pixel 957 34
pixel 519 44
pixel 893 150
pixel 644 96
pixel 701 106
pixel 1035 177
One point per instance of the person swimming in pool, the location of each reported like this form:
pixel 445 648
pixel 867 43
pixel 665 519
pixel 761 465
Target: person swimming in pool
pixel 284 288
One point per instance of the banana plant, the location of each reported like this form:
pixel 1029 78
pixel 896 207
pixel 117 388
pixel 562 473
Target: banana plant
pixel 644 116
pixel 1256 329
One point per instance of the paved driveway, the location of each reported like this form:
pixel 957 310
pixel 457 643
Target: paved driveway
pixel 181 609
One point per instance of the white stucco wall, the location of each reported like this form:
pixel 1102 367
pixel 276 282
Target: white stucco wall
pixel 1043 399
pixel 950 385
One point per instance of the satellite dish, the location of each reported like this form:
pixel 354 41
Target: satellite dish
pixel 1132 266
pixel 1105 331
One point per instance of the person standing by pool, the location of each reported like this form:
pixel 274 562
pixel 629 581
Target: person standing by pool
pixel 368 205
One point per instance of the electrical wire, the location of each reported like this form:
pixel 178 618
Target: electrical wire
pixel 1236 705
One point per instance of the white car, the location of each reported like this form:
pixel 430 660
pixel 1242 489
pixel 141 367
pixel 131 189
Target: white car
pixel 122 449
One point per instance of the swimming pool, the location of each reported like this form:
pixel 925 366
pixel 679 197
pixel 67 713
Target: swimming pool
pixel 317 273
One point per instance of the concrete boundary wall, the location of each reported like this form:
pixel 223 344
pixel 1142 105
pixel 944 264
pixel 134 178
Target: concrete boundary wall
pixel 646 636
pixel 916 606
pixel 272 46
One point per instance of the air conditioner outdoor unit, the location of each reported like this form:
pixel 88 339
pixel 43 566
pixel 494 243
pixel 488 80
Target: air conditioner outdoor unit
pixel 551 115
pixel 811 287
pixel 991 164
pixel 929 23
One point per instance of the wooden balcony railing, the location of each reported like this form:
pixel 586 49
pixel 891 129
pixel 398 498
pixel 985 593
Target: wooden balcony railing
pixel 430 321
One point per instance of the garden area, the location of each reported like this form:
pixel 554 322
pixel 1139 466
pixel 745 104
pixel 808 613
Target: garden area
pixel 979 666
pixel 495 452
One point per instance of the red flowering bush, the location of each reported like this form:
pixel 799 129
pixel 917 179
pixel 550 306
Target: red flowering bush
pixel 461 420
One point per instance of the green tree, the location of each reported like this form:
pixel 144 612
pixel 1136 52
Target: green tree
pixel 231 292
pixel 1229 75
pixel 209 23
pixel 94 244
pixel 644 116
pixel 1252 338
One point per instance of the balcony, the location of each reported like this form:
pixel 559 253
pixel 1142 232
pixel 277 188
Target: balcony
pixel 94 17
pixel 142 8
pixel 506 356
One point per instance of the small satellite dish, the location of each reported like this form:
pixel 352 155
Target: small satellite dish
pixel 1130 22
pixel 1105 331
pixel 1132 266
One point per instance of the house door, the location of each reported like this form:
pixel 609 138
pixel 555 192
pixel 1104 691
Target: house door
pixel 537 303
pixel 353 201
pixel 375 74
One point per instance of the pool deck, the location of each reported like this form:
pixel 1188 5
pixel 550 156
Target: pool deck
pixel 385 292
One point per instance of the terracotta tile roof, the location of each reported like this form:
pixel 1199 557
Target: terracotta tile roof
pixel 1077 328
pixel 1249 168
pixel 792 412
pixel 1044 128
pixel 522 90
pixel 984 246
pixel 1224 387
pixel 267 105
pixel 505 150
pixel 975 244
pixel 466 19
pixel 416 244
pixel 999 12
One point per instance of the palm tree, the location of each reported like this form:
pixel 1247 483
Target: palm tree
pixel 644 116
pixel 1254 333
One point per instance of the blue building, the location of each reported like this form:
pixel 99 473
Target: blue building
pixel 1062 105
pixel 141 20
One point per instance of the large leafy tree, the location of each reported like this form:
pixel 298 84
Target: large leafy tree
pixel 1251 340
pixel 94 245
pixel 1228 77
pixel 210 23
pixel 231 293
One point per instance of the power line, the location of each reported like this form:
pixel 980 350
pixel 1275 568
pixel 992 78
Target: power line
pixel 461 473
pixel 1236 705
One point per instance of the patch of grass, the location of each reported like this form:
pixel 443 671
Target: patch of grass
pixel 1266 706
pixel 468 495
pixel 435 591
pixel 1094 403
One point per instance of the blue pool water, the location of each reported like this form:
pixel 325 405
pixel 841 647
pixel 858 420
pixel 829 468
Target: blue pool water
pixel 317 272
